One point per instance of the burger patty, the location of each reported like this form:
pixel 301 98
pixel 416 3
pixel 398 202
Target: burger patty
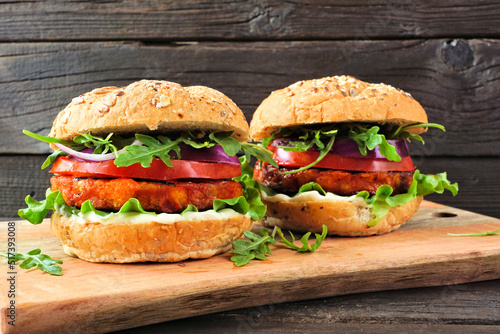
pixel 111 194
pixel 339 182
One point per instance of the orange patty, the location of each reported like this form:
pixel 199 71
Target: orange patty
pixel 339 182
pixel 111 194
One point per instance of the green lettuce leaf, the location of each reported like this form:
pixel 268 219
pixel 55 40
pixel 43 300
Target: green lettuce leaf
pixel 250 202
pixel 190 208
pixel 36 211
pixel 421 185
pixel 310 187
pixel 383 200
pixel 438 183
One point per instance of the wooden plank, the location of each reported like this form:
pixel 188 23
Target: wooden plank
pixel 478 180
pixel 105 297
pixel 249 20
pixel 21 176
pixel 424 310
pixel 455 81
pixel 259 326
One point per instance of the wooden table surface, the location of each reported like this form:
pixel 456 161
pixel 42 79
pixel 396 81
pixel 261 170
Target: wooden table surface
pixel 432 307
pixel 462 308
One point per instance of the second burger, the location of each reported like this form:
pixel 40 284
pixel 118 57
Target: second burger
pixel 341 147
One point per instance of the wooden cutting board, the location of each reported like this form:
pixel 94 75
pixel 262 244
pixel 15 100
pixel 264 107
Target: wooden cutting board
pixel 92 298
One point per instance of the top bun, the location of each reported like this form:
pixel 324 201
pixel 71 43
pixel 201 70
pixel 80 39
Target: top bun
pixel 333 100
pixel 148 105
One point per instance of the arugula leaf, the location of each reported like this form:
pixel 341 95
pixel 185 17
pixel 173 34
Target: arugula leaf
pixel 402 131
pixel 369 138
pixel 251 191
pixel 47 139
pixel 256 248
pixel 308 139
pixel 152 148
pixel 479 234
pixel 259 245
pixel 100 146
pixel 305 246
pixel 322 154
pixel 161 148
pixel 196 140
pixel 80 142
pixel 52 158
pixel 33 258
pixel 259 152
pixel 85 140
pixel 230 145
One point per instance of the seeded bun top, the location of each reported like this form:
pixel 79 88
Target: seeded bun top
pixel 333 100
pixel 148 105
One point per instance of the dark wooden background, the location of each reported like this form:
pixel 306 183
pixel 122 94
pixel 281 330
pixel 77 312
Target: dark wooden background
pixel 444 53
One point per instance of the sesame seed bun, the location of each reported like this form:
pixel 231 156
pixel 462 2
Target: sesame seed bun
pixel 150 105
pixel 334 100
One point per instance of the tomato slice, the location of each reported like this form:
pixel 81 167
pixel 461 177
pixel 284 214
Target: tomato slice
pixel 334 161
pixel 181 169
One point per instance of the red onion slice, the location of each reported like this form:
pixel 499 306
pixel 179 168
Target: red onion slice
pixel 213 154
pixel 85 156
pixel 349 148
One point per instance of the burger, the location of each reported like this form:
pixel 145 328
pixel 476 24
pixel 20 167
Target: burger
pixel 148 172
pixel 341 146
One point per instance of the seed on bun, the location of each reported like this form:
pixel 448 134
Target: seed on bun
pixel 343 160
pixel 150 105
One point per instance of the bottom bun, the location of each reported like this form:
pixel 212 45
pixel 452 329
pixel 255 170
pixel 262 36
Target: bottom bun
pixel 123 242
pixel 341 216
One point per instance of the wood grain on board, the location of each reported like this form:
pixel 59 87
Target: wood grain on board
pixel 105 297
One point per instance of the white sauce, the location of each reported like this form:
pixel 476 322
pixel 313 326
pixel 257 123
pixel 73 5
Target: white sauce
pixel 162 218
pixel 313 195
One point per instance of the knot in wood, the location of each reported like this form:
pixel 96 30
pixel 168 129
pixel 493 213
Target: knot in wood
pixel 458 55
